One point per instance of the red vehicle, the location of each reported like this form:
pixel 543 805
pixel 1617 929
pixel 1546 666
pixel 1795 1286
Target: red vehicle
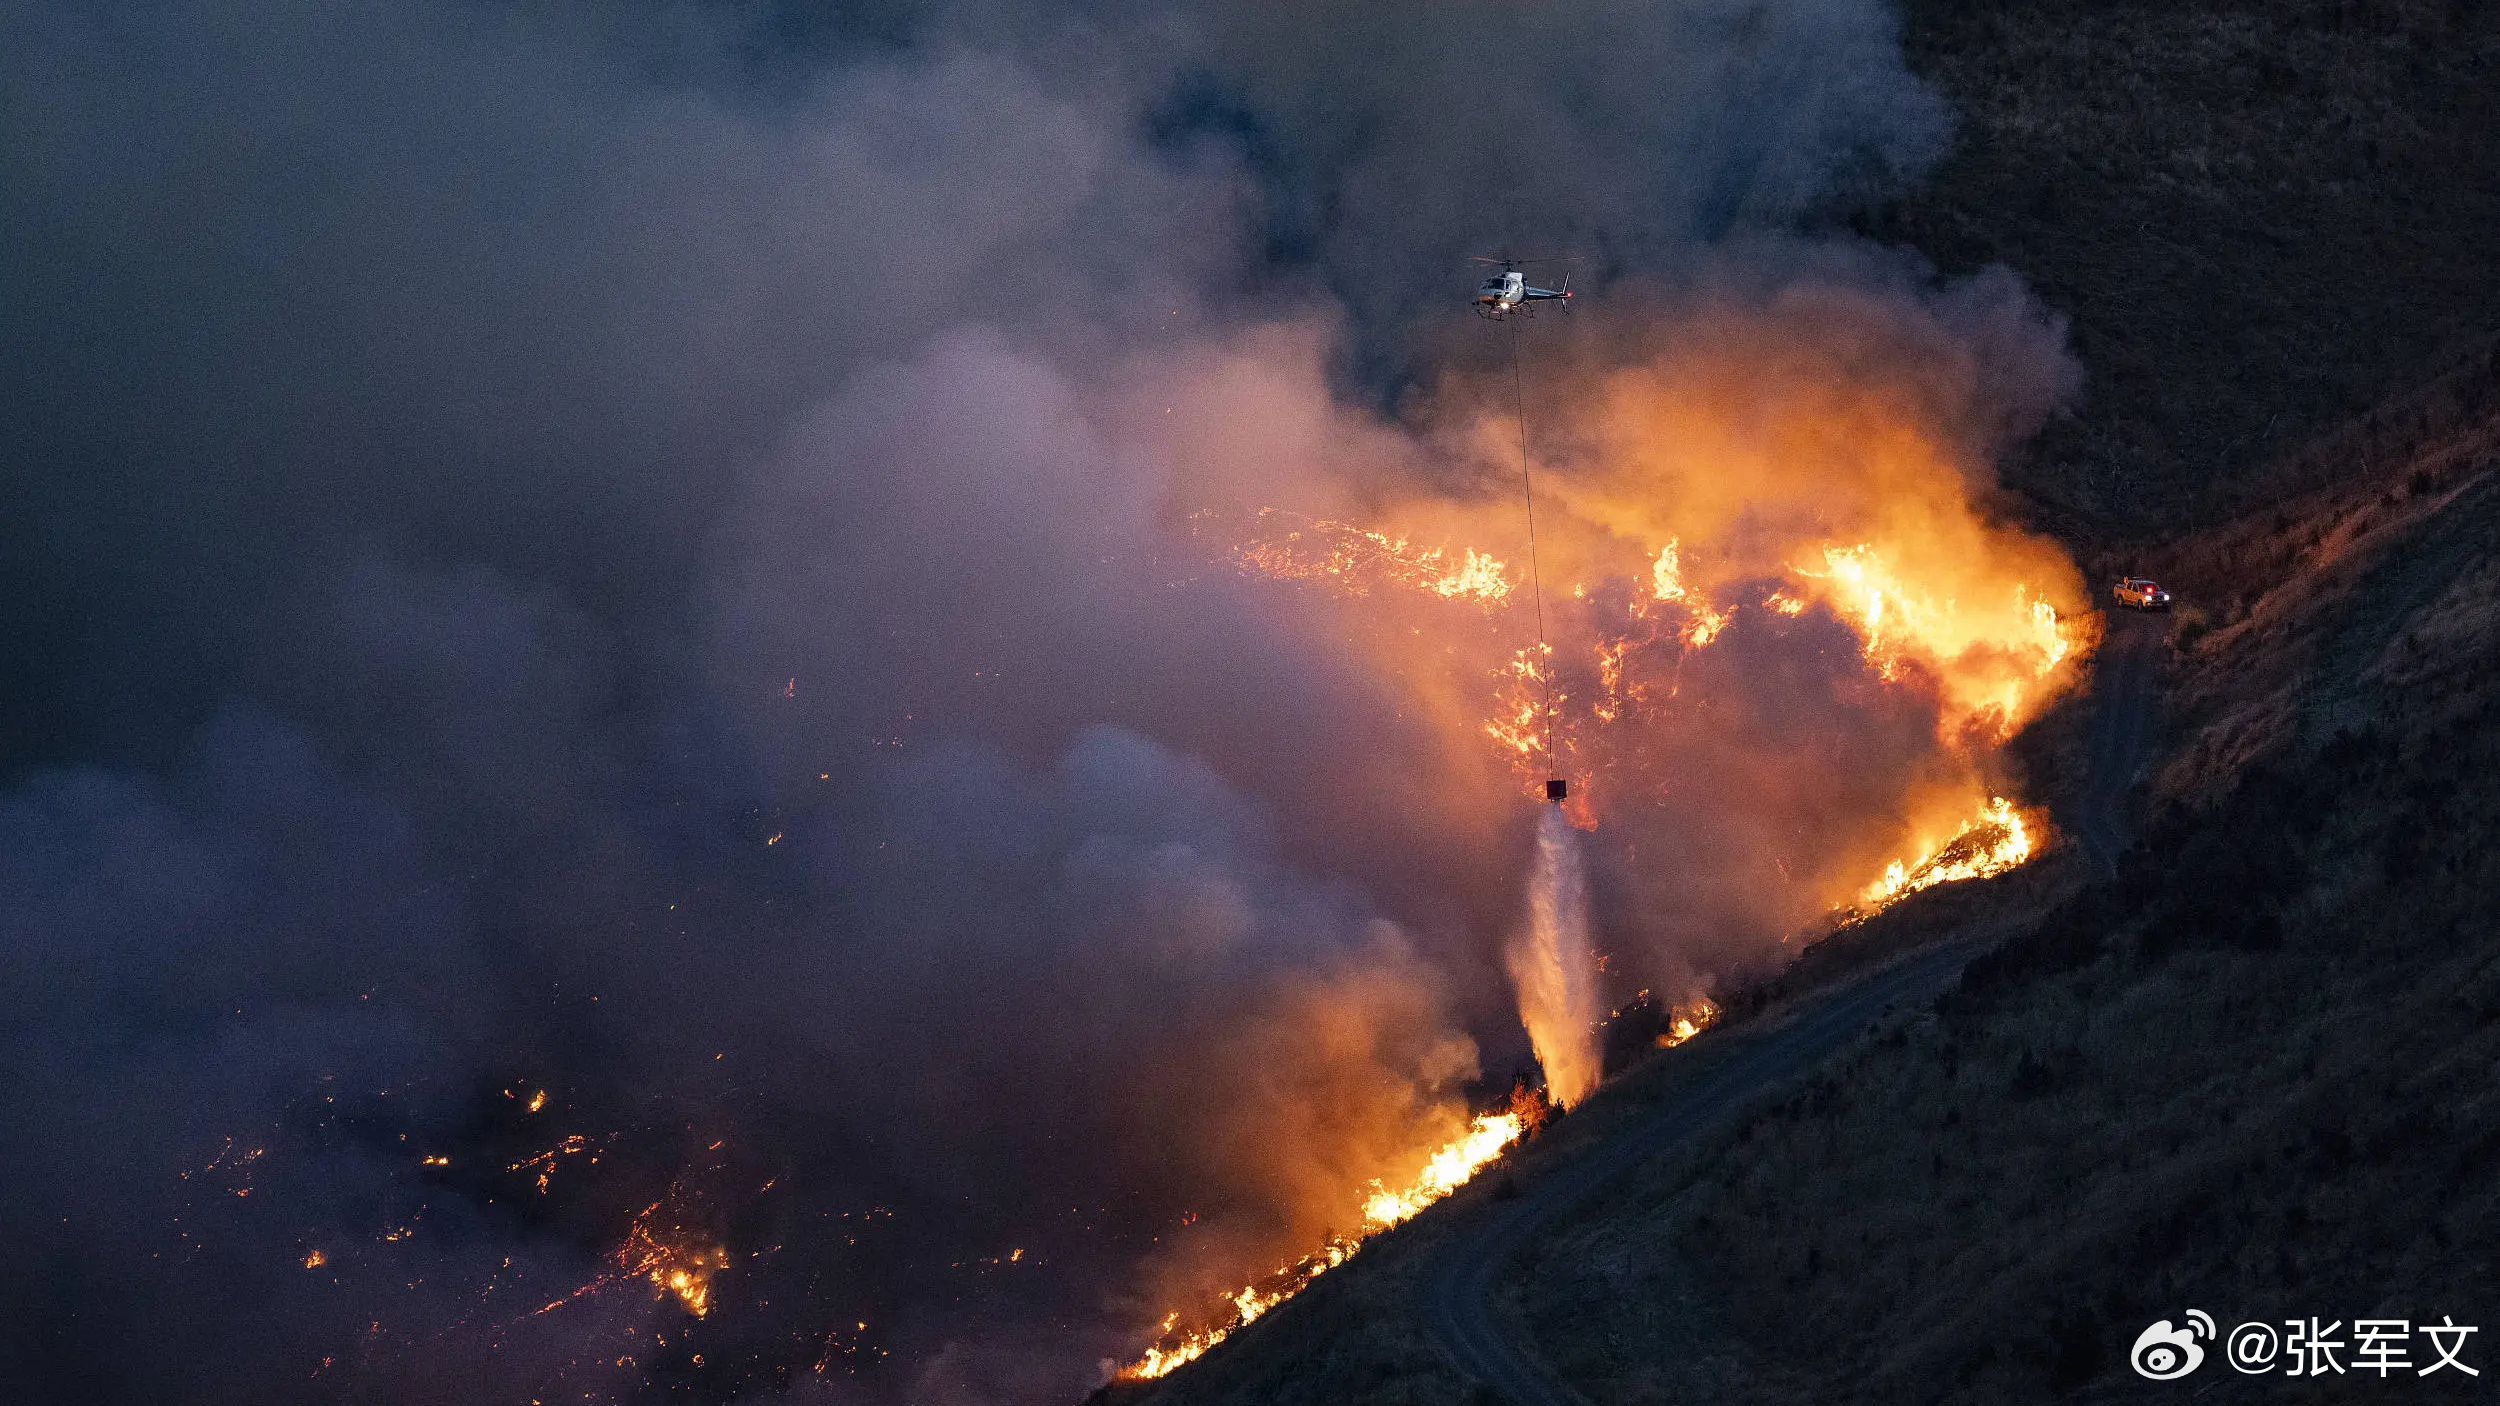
pixel 2142 592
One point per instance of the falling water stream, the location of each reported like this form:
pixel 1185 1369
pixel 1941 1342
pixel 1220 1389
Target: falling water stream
pixel 1552 964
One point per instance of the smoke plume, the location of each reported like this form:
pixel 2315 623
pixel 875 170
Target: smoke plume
pixel 645 753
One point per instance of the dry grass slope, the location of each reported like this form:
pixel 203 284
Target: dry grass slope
pixel 2261 217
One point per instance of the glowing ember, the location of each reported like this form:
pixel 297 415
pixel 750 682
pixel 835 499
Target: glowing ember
pixel 1447 1170
pixel 545 1162
pixel 1992 843
pixel 315 1260
pixel 684 1270
pixel 1479 577
pixel 1356 559
pixel 1997 660
pixel 1705 626
pixel 1518 719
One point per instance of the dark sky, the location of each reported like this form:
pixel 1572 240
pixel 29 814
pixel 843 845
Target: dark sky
pixel 628 552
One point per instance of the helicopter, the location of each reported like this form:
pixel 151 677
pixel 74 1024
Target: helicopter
pixel 1508 291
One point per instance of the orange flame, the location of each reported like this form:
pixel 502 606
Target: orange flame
pixel 545 1162
pixel 1449 1168
pixel 1997 659
pixel 680 1268
pixel 1355 559
pixel 1519 708
pixel 1783 469
pixel 1991 843
pixel 1666 575
pixel 1687 1021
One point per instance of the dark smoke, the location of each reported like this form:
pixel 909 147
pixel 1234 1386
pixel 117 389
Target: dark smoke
pixel 642 555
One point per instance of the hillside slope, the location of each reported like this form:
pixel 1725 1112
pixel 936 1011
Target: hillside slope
pixel 2247 1065
pixel 1409 1320
pixel 2253 1074
pixel 2262 217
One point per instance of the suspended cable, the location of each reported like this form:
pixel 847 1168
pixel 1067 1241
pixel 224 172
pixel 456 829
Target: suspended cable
pixel 1536 581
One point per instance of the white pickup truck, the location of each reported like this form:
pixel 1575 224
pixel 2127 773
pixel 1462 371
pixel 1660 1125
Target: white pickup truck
pixel 2142 592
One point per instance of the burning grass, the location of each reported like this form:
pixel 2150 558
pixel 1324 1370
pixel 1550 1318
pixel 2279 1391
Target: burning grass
pixel 1357 560
pixel 1664 591
pixel 1991 842
pixel 1450 1167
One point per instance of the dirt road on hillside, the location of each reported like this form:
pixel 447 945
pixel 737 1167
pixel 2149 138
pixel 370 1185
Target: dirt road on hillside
pixel 2126 704
pixel 1457 1287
